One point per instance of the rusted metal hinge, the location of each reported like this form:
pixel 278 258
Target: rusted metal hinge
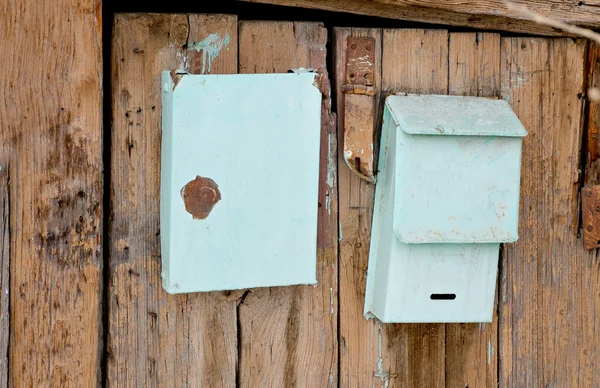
pixel 359 107
pixel 590 210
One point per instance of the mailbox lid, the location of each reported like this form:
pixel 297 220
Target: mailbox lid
pixel 454 116
pixel 457 173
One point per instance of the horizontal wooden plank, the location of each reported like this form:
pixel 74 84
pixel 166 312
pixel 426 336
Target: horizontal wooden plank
pixel 487 14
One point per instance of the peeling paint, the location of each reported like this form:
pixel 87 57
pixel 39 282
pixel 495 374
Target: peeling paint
pixel 303 70
pixel 385 377
pixel 330 164
pixel 331 298
pixel 200 196
pixel 184 60
pixel 210 47
pixel 490 352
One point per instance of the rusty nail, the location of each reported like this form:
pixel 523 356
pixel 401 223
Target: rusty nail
pixel 368 48
pixel 590 228
pixel 353 46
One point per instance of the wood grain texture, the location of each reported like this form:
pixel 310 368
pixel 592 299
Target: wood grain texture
pixel 474 64
pixel 360 363
pixel 592 143
pixel 472 348
pixel 51 135
pixel 289 334
pixel 488 15
pixel 4 271
pixel 416 61
pixel 156 339
pixel 373 354
pixel 549 286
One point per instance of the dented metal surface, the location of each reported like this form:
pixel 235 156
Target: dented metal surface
pixel 263 154
pixel 447 195
pixel 359 107
pixel 200 196
pixel 590 209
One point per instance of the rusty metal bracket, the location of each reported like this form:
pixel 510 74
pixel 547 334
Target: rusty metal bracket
pixel 359 107
pixel 590 209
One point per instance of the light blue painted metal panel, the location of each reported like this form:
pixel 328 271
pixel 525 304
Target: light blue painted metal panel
pixel 454 116
pixel 250 143
pixel 443 205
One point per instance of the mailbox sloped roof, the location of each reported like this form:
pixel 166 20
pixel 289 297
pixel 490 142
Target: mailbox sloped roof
pixel 454 115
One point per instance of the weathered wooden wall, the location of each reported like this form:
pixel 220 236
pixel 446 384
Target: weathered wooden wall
pixel 549 286
pixel 546 331
pixel 265 337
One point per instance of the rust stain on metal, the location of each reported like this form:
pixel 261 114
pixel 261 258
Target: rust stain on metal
pixel 200 196
pixel 359 101
pixel 590 208
pixel 361 61
pixel 359 107
pixel 359 89
pixel 359 125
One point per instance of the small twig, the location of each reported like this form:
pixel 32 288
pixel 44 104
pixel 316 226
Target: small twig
pixel 541 19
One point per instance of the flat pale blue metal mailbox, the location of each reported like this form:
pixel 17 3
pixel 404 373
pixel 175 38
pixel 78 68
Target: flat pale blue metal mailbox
pixel 239 180
pixel 447 195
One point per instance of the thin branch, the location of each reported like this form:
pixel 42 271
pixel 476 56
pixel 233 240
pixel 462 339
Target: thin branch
pixel 541 19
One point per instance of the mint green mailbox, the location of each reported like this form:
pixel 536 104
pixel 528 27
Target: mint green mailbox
pixel 239 180
pixel 447 195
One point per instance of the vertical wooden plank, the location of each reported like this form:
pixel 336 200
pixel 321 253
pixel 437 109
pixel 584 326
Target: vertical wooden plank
pixel 474 64
pixel 589 280
pixel 156 339
pixel 361 352
pixel 51 134
pixel 592 151
pixel 549 299
pixel 471 349
pixel 416 61
pixel 371 353
pixel 289 334
pixel 4 271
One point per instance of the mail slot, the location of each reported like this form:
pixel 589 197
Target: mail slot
pixel 447 196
